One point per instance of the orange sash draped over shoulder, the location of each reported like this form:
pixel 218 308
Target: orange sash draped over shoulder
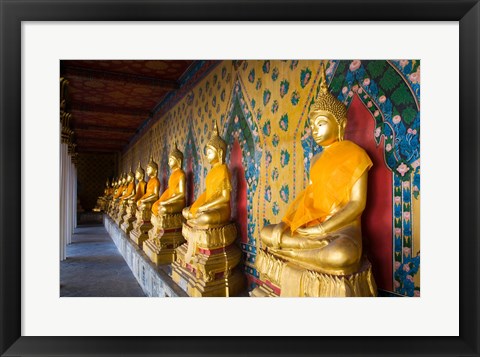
pixel 140 190
pixel 152 183
pixel 173 188
pixel 128 191
pixel 119 192
pixel 217 180
pixel 333 176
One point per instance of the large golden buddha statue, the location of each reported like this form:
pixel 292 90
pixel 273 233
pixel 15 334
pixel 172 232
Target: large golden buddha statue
pixel 128 193
pixel 317 248
pixel 142 225
pixel 139 191
pixel 166 234
pixel 205 265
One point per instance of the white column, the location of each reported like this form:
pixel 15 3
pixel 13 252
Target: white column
pixel 74 196
pixel 67 198
pixel 63 164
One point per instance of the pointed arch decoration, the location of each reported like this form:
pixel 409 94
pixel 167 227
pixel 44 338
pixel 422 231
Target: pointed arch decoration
pixel 164 172
pixel 240 125
pixel 192 166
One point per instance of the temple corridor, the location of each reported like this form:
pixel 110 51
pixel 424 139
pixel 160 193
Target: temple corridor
pixel 196 169
pixel 94 267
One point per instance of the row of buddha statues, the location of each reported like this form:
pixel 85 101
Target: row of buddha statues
pixel 316 249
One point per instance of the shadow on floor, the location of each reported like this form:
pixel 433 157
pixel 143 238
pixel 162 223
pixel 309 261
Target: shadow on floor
pixel 95 268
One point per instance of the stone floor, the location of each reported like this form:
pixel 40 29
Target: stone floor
pixel 94 267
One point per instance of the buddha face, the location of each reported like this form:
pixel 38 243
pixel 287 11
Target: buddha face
pixel 212 154
pixel 325 129
pixel 151 171
pixel 139 175
pixel 173 162
pixel 130 178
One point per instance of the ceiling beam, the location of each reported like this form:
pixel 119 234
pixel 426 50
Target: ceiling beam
pixel 119 77
pixel 110 129
pixel 97 149
pixel 100 142
pixel 84 107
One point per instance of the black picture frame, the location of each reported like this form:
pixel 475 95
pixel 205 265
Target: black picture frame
pixel 467 12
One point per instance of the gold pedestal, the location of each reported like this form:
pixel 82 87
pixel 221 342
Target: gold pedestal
pixel 141 226
pixel 114 209
pixel 287 279
pixel 207 264
pixel 164 238
pixel 122 210
pixel 129 218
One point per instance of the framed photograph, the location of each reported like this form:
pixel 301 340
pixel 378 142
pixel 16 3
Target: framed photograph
pixel 443 319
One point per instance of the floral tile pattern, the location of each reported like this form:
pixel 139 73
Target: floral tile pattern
pixel 264 105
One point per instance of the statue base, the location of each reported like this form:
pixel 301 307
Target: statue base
pixel 287 279
pixel 114 211
pixel 203 270
pixel 121 212
pixel 142 225
pixel 127 224
pixel 164 238
pixel 139 234
pixel 129 219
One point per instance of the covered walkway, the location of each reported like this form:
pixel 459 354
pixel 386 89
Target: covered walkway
pixel 94 267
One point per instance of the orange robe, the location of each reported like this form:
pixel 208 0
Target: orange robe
pixel 119 191
pixel 333 176
pixel 140 190
pixel 128 191
pixel 217 180
pixel 152 183
pixel 173 188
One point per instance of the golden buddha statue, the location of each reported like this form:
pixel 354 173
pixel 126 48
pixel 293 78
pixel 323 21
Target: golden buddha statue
pixel 139 191
pixel 205 264
pixel 113 192
pixel 317 248
pixel 212 208
pixel 166 234
pixel 116 197
pixel 142 224
pixel 128 193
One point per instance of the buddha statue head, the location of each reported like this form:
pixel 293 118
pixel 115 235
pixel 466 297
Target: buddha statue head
pixel 124 179
pixel 175 157
pixel 152 167
pixel 216 148
pixel 139 172
pixel 328 116
pixel 130 176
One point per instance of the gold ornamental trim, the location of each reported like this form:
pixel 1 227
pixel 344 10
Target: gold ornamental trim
pixel 210 238
pixel 295 281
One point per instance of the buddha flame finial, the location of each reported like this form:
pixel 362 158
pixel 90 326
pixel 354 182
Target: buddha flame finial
pixel 152 163
pixel 326 102
pixel 130 173
pixel 140 169
pixel 177 154
pixel 216 141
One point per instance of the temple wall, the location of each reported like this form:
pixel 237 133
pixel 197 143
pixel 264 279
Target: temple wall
pixel 263 105
pixel 92 172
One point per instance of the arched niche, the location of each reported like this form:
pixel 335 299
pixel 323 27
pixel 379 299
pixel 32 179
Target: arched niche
pixel 240 131
pixel 192 167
